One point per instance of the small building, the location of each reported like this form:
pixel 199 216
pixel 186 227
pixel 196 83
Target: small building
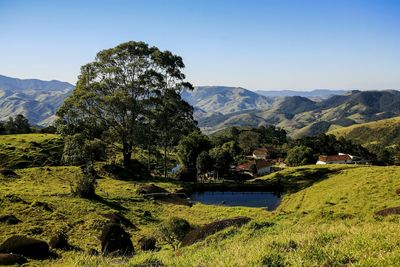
pixel 261 166
pixel 335 159
pixel 261 153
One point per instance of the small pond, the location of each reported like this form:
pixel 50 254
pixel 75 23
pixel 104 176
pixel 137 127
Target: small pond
pixel 268 200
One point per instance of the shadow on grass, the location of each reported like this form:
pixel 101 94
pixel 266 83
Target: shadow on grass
pixel 111 204
pixel 300 179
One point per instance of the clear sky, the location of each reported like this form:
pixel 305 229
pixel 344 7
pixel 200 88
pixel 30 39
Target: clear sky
pixel 270 44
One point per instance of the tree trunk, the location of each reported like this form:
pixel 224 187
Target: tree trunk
pixel 165 162
pixel 127 153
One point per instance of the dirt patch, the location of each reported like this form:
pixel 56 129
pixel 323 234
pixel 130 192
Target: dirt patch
pixel 42 205
pixel 15 199
pixel 201 233
pixel 388 211
pixel 8 173
pixel 150 189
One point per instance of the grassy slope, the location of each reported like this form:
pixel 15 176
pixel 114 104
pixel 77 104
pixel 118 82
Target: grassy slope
pixel 29 150
pixel 329 223
pixel 386 132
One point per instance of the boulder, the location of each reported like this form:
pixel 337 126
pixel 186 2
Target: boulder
pixel 11 259
pixel 115 241
pixel 9 219
pixel 199 234
pixel 26 246
pixel 147 243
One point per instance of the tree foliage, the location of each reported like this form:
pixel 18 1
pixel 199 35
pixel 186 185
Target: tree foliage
pixel 300 155
pixel 117 96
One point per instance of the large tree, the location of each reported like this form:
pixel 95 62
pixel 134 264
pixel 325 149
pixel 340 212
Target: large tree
pixel 118 92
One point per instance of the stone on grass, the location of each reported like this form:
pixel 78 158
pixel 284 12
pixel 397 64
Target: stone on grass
pixel 26 246
pixel 115 241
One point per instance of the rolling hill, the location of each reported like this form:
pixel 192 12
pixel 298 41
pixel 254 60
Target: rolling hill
pixel 382 132
pixel 37 100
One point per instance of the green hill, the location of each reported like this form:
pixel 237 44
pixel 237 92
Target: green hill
pixel 382 132
pixel 327 219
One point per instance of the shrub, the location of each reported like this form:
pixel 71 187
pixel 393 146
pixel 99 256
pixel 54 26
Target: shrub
pixel 173 231
pixel 86 184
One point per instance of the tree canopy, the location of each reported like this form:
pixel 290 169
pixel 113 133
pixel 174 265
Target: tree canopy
pixel 127 93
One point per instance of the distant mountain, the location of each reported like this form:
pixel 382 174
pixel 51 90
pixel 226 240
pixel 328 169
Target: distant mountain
pixel 314 94
pixel 37 100
pixel 225 100
pixel 301 116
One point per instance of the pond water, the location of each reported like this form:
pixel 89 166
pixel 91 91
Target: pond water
pixel 269 200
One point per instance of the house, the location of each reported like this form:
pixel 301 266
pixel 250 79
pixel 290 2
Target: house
pixel 261 166
pixel 261 153
pixel 335 159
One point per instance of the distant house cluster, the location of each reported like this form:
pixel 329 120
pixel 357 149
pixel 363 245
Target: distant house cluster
pixel 341 158
pixel 259 163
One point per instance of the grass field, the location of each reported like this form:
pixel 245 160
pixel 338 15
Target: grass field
pixel 327 219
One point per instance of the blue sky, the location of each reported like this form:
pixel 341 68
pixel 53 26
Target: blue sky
pixel 270 44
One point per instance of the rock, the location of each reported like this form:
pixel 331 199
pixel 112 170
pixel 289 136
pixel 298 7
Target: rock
pixel 8 173
pixel 115 241
pixel 9 219
pixel 201 233
pixel 11 259
pixel 147 243
pixel 26 246
pixel 119 219
pixel 388 211
pixel 60 241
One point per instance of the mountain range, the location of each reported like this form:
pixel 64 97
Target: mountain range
pixel 220 107
pixel 37 100
pixel 217 107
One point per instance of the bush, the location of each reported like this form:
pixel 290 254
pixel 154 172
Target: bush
pixel 78 150
pixel 173 231
pixel 86 184
pixel 300 155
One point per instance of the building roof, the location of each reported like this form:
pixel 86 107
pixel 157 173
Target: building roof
pixel 334 158
pixel 260 164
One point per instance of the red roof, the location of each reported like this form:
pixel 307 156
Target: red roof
pixel 260 164
pixel 334 158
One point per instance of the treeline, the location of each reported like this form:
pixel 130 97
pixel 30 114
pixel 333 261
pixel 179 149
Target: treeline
pixel 20 125
pixel 201 155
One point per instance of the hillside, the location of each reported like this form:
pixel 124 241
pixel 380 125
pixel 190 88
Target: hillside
pixel 37 100
pixel 382 132
pixel 318 224
pixel 301 116
pixel 313 94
